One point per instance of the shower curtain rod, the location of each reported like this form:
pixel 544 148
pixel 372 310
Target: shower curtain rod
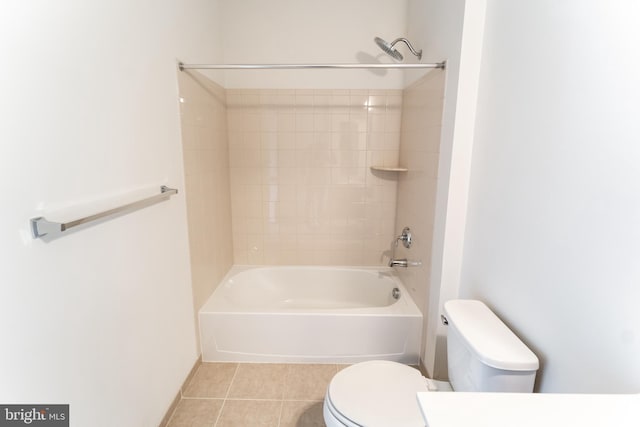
pixel 304 66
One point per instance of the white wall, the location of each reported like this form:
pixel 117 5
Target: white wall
pixel 451 31
pixel 102 318
pixel 309 31
pixel 553 234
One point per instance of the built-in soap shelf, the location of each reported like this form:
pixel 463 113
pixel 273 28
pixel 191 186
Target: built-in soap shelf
pixel 389 169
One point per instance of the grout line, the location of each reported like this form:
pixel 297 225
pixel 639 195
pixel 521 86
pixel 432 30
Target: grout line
pixel 201 398
pixel 219 414
pixel 280 414
pixel 284 392
pixel 250 399
pixel 224 401
pixel 286 381
pixel 233 378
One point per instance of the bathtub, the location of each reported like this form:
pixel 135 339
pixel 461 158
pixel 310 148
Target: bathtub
pixel 311 315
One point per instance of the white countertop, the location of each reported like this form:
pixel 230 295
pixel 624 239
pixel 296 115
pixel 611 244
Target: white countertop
pixel 529 409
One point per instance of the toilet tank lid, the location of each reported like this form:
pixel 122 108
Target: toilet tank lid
pixel 488 337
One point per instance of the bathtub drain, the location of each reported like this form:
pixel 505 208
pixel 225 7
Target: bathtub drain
pixel 395 293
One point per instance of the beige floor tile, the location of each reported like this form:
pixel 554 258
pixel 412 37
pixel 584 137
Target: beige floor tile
pixel 196 413
pixel 258 381
pixel 308 382
pixel 211 380
pixel 250 413
pixel 302 414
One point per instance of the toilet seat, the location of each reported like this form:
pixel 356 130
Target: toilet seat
pixel 375 393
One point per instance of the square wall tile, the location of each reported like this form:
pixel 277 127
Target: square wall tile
pixel 306 146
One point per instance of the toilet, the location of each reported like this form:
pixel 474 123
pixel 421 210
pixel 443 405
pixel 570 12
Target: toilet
pixel 483 354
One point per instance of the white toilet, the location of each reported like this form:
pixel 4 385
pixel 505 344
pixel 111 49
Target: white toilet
pixel 483 355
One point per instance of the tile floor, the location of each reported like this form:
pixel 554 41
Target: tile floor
pixel 255 395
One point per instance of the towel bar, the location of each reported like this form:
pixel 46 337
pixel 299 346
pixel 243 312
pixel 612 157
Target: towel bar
pixel 41 227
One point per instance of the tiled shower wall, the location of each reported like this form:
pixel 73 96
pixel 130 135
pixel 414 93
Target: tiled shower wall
pixel 206 164
pixel 301 188
pixel 419 153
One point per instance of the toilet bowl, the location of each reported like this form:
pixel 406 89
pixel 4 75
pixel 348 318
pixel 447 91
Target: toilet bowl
pixel 377 393
pixel 483 355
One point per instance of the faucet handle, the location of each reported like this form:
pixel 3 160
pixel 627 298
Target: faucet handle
pixel 405 237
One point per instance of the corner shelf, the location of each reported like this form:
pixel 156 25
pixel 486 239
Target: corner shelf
pixel 388 169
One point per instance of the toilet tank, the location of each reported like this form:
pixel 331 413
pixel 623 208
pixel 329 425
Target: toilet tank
pixel 483 353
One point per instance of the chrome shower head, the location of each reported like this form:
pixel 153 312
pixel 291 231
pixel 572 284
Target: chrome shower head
pixel 389 49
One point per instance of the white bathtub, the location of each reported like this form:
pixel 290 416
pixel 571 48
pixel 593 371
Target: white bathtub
pixel 309 314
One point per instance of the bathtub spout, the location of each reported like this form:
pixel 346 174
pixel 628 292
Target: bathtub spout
pixel 403 263
pixel 397 263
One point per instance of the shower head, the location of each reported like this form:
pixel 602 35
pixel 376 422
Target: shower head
pixel 389 49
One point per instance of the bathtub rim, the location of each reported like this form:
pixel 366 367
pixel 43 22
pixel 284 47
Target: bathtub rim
pixel 405 306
